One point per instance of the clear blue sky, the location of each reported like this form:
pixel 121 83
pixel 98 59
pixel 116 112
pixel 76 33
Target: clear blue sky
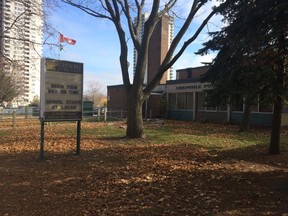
pixel 97 45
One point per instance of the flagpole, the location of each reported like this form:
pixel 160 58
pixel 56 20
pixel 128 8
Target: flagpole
pixel 59 45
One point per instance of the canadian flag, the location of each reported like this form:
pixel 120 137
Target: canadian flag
pixel 63 38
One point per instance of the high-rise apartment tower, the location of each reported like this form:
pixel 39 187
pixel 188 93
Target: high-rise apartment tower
pixel 160 42
pixel 21 45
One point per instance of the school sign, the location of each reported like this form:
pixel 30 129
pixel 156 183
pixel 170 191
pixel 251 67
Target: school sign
pixel 61 90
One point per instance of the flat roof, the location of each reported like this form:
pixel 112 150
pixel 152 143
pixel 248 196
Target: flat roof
pixel 189 80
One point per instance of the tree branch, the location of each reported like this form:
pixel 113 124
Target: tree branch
pixel 168 62
pixel 89 10
pixel 142 52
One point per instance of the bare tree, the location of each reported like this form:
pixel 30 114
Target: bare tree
pixel 95 93
pixel 49 31
pixel 7 88
pixel 125 14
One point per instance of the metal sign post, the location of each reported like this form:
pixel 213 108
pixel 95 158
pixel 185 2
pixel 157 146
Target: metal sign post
pixel 61 95
pixel 78 137
pixel 42 141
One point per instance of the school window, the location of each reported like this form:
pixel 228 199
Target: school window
pixel 237 105
pixel 203 103
pixel 222 107
pixel 181 101
pixel 254 108
pixel 172 101
pixel 265 108
pixel 201 100
pixel 210 108
pixel 189 97
pixel 264 105
pixel 208 105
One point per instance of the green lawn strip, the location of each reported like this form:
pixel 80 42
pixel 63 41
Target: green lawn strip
pixel 211 137
pixel 104 131
pixel 216 140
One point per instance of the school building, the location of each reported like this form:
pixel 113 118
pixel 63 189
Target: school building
pixel 185 99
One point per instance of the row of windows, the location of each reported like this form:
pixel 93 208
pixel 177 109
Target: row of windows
pixel 260 107
pixel 184 101
pixel 181 101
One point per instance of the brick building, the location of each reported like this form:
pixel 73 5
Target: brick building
pixel 160 41
pixel 186 98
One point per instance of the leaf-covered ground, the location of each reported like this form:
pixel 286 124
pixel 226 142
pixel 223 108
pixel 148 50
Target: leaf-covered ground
pixel 114 176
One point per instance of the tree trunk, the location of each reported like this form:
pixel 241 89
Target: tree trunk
pixel 278 103
pixel 276 126
pixel 245 125
pixel 135 128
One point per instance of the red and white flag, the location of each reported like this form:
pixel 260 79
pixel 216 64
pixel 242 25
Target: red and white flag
pixel 63 38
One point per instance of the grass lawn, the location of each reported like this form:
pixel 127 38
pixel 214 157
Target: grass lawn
pixel 179 169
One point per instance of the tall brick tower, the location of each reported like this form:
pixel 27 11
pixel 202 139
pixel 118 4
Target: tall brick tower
pixel 160 42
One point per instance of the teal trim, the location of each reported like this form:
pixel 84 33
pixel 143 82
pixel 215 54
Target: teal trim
pixel 258 119
pixel 183 115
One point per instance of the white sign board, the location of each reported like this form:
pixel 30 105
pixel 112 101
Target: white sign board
pixel 61 90
pixel 188 87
